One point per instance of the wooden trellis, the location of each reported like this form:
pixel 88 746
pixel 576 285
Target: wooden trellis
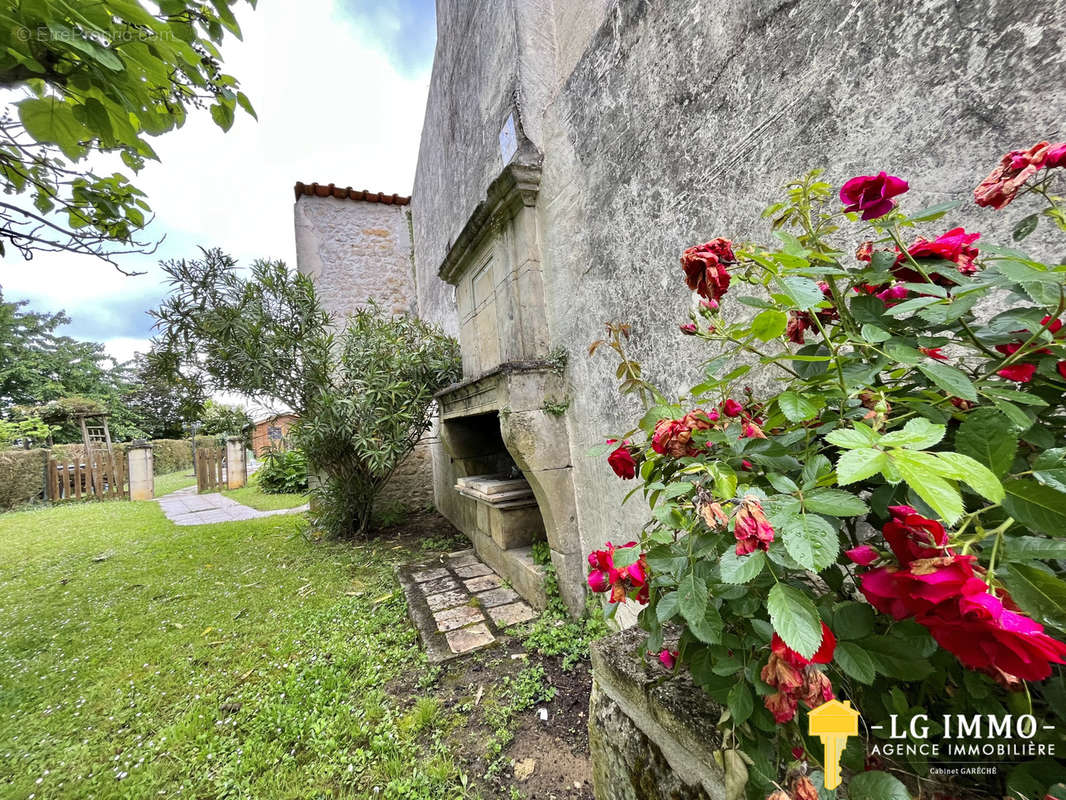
pixel 100 475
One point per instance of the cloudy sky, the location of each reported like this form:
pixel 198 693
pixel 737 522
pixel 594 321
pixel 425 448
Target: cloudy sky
pixel 339 87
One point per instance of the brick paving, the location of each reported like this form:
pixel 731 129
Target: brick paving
pixel 186 507
pixel 459 604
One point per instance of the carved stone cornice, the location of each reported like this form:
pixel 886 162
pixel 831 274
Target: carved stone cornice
pixel 514 188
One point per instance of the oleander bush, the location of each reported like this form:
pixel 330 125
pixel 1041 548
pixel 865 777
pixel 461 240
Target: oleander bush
pixel 886 524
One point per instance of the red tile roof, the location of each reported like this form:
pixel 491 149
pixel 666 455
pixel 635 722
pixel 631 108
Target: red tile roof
pixel 347 192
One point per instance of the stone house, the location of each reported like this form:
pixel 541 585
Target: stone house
pixel 571 149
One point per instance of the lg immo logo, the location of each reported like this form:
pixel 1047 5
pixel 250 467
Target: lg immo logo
pixel 960 736
pixel 951 737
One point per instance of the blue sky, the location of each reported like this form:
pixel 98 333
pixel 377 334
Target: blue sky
pixel 339 87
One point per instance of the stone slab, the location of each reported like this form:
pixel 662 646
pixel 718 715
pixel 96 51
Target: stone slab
pixel 445 584
pixel 438 602
pixel 464 640
pixel 472 570
pixel 458 617
pixel 429 575
pixel 511 614
pixel 497 597
pixel 482 583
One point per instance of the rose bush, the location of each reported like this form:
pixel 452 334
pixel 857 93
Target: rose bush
pixel 887 525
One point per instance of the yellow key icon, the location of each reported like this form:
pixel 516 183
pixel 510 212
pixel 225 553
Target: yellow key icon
pixel 833 722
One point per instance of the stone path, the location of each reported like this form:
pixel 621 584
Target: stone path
pixel 186 507
pixel 458 604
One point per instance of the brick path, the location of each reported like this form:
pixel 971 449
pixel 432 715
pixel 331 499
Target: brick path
pixel 458 604
pixel 186 507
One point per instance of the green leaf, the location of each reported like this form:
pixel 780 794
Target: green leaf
pixel 802 291
pixel 1039 508
pixel 951 380
pixel 877 786
pixel 918 434
pixel 811 541
pixel 911 306
pixel 666 607
pixel 795 619
pixel 1041 595
pixel 934 212
pixel 692 598
pixel 874 334
pixel 769 324
pixel 708 628
pixel 941 496
pixel 1050 468
pixel 740 702
pixel 989 438
pixel 858 465
pixel 1028 548
pixel 834 502
pixel 855 662
pixel 625 556
pixel 850 438
pixel 222 114
pixel 853 620
pixel 796 407
pixel 973 473
pixel 740 569
pixel 51 120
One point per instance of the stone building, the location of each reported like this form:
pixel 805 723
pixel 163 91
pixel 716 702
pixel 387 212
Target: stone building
pixel 572 148
pixel 356 245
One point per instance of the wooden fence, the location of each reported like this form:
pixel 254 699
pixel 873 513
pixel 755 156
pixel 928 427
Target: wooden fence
pixel 209 469
pixel 101 478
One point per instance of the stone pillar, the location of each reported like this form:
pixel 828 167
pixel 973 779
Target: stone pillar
pixel 141 470
pixel 236 463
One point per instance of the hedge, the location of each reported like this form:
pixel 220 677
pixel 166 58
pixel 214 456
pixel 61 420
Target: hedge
pixel 22 471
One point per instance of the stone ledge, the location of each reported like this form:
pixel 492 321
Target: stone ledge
pixel 653 735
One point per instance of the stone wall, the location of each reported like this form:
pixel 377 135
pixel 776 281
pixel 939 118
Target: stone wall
pixel 355 250
pixel 651 736
pixel 664 124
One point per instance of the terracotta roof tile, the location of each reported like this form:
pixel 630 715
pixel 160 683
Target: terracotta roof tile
pixel 347 192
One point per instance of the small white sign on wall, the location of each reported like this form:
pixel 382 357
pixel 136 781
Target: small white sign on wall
pixel 508 140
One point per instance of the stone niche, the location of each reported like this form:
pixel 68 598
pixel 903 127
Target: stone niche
pixel 652 735
pixel 494 421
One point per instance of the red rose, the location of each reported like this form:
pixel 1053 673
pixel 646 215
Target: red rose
pixel 689 329
pixel 911 536
pixel 1022 373
pixel 955 245
pixel 872 194
pixel 751 528
pixel 629 581
pixel 1056 156
pixel 798 323
pixel 731 408
pixel 622 461
pixel 668 658
pixel 1014 169
pixel 782 706
pixel 705 272
pixel 933 352
pixel 823 656
pixel 985 635
pixel 673 437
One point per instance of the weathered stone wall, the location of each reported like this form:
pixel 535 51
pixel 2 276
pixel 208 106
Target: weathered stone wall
pixel 355 250
pixel 651 737
pixel 664 124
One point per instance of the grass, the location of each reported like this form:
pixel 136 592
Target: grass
pixel 141 659
pixel 251 495
pixel 172 481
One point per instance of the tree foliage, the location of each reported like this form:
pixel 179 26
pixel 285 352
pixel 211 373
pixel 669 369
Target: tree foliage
pixel 163 399
pixel 100 77
pixel 363 396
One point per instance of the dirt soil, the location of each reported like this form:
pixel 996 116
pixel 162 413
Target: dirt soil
pixel 556 749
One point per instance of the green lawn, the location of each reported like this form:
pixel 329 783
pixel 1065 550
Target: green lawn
pixel 172 481
pixel 141 659
pixel 251 495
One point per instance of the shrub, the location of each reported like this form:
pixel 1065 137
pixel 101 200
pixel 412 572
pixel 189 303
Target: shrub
pixel 880 526
pixel 363 396
pixel 21 476
pixel 283 471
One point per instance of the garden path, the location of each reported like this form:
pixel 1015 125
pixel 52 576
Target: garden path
pixel 186 507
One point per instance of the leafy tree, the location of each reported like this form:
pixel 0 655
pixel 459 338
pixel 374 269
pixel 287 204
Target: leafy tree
pixel 100 77
pixel 161 398
pixel 363 397
pixel 219 419
pixel 25 432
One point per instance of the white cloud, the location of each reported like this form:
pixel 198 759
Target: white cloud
pixel 331 108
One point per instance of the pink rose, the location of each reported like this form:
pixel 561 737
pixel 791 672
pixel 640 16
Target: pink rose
pixel 667 658
pixel 752 529
pixel 863 555
pixel 732 408
pixel 689 329
pixel 872 194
